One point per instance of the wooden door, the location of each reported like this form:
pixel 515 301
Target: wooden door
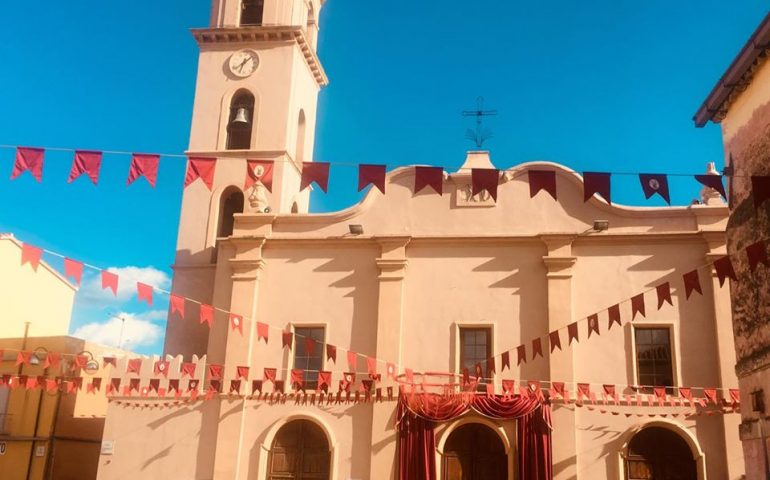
pixel 657 453
pixel 300 451
pixel 474 452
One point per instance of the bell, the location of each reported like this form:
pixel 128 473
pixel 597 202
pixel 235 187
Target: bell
pixel 241 116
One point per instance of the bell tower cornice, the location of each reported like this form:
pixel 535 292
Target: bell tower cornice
pixel 243 36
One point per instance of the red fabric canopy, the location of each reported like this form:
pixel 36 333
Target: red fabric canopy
pixel 418 414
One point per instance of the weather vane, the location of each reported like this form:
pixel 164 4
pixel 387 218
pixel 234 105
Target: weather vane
pixel 481 134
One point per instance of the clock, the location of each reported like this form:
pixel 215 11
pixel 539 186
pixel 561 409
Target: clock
pixel 243 63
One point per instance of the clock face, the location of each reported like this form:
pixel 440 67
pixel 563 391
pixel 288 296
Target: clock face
pixel 243 63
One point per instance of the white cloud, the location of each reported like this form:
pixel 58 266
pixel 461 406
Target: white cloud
pixel 91 292
pixel 137 330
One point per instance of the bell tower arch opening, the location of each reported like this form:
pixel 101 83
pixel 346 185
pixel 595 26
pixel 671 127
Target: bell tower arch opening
pixel 240 123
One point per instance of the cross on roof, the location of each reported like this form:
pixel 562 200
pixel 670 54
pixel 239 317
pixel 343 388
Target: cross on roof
pixel 481 134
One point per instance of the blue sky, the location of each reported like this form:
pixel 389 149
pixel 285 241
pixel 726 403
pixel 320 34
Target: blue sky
pixel 604 85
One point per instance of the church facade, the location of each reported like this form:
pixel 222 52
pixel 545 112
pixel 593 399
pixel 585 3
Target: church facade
pixel 417 285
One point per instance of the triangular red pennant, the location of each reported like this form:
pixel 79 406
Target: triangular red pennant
pixel 269 375
pixel 309 346
pixel 521 354
pixel 757 253
pixel 491 366
pixel 485 179
pixel 216 371
pixel 583 390
pixel 593 324
pixel 262 330
pixel 188 369
pixel 109 361
pixel 653 183
pixel 154 384
pixel 352 361
pixel 143 165
pixel 134 365
pixel 371 365
pixel 711 394
pixel 664 294
pixel 242 372
pixel 371 174
pixel 203 168
pixel 256 386
pixel 261 170
pixel 161 368
pixel 52 360
pixel 429 177
pixel 596 182
pixel 542 180
pixel 331 353
pixel 110 280
pixel 609 391
pixel 207 314
pixel 317 172
pixel 735 397
pixel 31 254
pixel 80 361
pixel 637 306
pixel 177 305
pixel 73 269
pixel 613 313
pixel 572 332
pixel 508 386
pixel 691 283
pixel 236 323
pixel 760 188
pixel 712 181
pixel 505 361
pixel 22 358
pixel 287 339
pixel 144 292
pixel 235 387
pixel 87 162
pixel 324 380
pixel 724 269
pixel 554 340
pixel 537 348
pixel 29 159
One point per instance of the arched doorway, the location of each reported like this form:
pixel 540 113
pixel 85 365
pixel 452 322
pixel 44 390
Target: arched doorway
pixel 300 451
pixel 657 453
pixel 474 452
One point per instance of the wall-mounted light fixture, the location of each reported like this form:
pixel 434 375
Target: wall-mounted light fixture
pixel 356 229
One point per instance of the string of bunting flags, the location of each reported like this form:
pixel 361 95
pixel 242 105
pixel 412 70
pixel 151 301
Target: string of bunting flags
pixel 88 163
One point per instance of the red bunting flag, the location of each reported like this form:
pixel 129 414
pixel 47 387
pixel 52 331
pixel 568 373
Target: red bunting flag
pixel 572 332
pixel 583 390
pixel 711 394
pixel 391 370
pixel 109 361
pixel 508 386
pixel 51 360
pixel 554 340
pixel 691 283
pixel 735 397
pixel 653 183
pixel 324 380
pixel 110 280
pixel 537 348
pixel 236 323
pixel 521 354
pixel 161 368
pixel 87 162
pixel 143 165
pixel 724 269
pixel 596 182
pixel 242 372
pixel 262 330
pixel 637 306
pixel 429 177
pixel 609 392
pixel 317 172
pixel 491 366
pixel 485 179
pixel 22 358
pixel 331 353
pixel 490 389
pixel 29 159
pixel 352 361
pixel 261 170
pixel 371 365
pixel 664 294
pixel 53 385
pixel 505 361
pixel 542 180
pixel 154 384
pixel 235 387
pixel 757 253
pixel 371 174
pixel 660 394
pixel 177 305
pixel 269 375
pixel 558 387
pixel 31 254
pixel 593 324
pixel 613 313
pixel 207 314
pixel 188 369
pixel 760 187
pixel 134 365
pixel 287 339
pixel 712 181
pixel 216 371
pixel 686 393
pixel 144 292
pixel 309 346
pixel 73 269
pixel 80 361
pixel 200 167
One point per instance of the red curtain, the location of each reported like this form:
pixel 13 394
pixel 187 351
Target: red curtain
pixel 418 414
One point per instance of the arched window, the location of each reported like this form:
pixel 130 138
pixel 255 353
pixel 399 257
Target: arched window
pixel 300 451
pixel 659 453
pixel 474 452
pixel 251 12
pixel 299 150
pixel 240 123
pixel 230 204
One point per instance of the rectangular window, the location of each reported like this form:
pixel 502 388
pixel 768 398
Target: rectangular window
pixel 311 363
pixel 475 349
pixel 654 363
pixel 251 12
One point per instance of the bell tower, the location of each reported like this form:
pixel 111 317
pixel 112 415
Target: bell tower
pixel 255 99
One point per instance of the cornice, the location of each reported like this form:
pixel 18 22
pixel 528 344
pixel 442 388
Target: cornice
pixel 273 33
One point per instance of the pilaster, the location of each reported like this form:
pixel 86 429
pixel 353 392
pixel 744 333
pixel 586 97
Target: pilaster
pixel 392 266
pixel 559 263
